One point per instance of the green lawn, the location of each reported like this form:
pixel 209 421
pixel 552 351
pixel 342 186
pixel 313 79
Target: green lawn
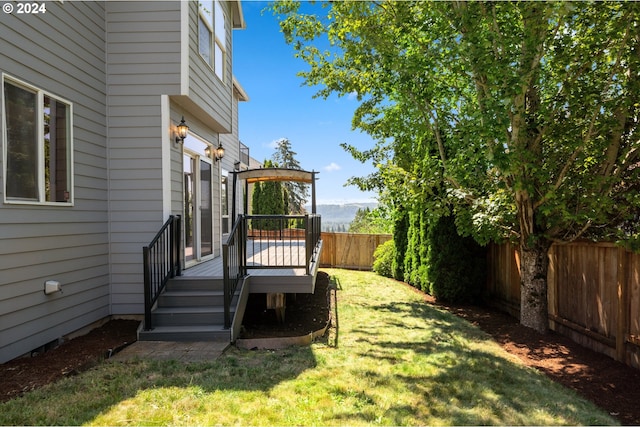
pixel 392 361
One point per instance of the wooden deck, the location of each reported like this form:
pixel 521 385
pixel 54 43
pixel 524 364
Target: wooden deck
pixel 273 255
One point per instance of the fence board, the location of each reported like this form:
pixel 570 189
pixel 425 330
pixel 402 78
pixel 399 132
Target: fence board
pixel 350 250
pixel 633 287
pixel 593 294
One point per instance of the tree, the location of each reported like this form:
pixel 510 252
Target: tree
pixel 268 199
pixel 296 192
pixel 370 221
pixel 531 109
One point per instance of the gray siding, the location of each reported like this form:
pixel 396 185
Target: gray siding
pixel 64 55
pixel 231 142
pixel 123 67
pixel 144 68
pixel 205 88
pixel 143 63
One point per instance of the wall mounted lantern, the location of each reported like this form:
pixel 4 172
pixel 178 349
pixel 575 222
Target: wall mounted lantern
pixel 182 131
pixel 219 152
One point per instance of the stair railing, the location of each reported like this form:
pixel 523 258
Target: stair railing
pixel 233 264
pixel 313 231
pixel 161 262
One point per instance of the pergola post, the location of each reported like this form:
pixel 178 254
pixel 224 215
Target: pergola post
pixel 313 192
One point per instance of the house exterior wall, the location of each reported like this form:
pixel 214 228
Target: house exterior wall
pixel 63 55
pixel 232 140
pixel 210 93
pixel 143 63
pixel 156 76
pixel 130 70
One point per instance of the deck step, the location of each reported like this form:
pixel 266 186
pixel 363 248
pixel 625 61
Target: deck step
pixel 186 333
pixel 182 316
pixel 191 298
pixel 185 283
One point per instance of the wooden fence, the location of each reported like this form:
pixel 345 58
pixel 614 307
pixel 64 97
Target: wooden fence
pixel 350 250
pixel 593 294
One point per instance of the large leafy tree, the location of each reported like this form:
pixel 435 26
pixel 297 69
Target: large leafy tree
pixel 520 116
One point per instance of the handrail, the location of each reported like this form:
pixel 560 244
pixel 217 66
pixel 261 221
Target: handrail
pixel 233 264
pixel 161 261
pixel 282 241
pixel 313 236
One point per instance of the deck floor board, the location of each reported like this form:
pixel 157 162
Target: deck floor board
pixel 271 254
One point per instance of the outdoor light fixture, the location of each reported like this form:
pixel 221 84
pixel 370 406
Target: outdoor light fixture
pixel 182 129
pixel 207 151
pixel 219 152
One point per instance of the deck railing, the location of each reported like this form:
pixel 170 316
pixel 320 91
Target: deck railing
pixel 276 241
pixel 161 262
pixel 233 265
pixel 313 232
pixel 282 241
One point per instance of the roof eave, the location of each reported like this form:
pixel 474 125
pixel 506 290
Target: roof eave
pixel 238 16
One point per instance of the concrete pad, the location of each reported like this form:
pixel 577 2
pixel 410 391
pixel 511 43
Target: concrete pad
pixel 190 351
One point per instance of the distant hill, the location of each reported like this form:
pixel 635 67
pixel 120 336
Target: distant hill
pixel 337 217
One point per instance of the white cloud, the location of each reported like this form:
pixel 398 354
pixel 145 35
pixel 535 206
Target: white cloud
pixel 273 144
pixel 352 95
pixel 332 167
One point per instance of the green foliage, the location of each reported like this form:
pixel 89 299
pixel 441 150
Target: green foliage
pixel 521 117
pixel 457 265
pixel 268 199
pixel 295 193
pixel 383 258
pixel 371 221
pixel 396 361
pixel 416 269
pixel 400 241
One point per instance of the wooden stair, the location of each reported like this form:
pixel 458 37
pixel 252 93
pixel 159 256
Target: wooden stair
pixel 190 309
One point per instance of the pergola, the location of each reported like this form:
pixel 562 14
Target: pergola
pixel 252 176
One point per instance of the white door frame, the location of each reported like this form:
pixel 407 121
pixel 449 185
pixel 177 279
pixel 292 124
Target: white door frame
pixel 193 152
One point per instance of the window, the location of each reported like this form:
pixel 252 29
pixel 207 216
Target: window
pixel 205 31
pixel 212 31
pixel 221 36
pixel 37 148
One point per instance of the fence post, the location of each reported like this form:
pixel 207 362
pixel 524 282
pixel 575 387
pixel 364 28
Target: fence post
pixel 623 303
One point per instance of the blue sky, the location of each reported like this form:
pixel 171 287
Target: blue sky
pixel 281 107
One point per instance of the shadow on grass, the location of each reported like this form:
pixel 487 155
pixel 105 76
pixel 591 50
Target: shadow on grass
pixel 465 382
pixel 415 364
pixel 79 400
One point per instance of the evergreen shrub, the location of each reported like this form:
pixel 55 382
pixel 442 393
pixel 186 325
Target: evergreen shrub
pixel 457 265
pixel 401 225
pixel 383 258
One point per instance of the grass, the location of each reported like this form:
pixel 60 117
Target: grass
pixel 393 360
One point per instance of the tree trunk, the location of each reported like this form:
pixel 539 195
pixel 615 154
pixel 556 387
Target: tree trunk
pixel 534 264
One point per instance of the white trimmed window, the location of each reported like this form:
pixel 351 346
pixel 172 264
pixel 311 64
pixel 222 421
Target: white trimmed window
pixel 212 31
pixel 37 145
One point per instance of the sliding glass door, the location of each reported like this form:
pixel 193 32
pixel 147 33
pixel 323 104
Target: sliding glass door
pixel 198 201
